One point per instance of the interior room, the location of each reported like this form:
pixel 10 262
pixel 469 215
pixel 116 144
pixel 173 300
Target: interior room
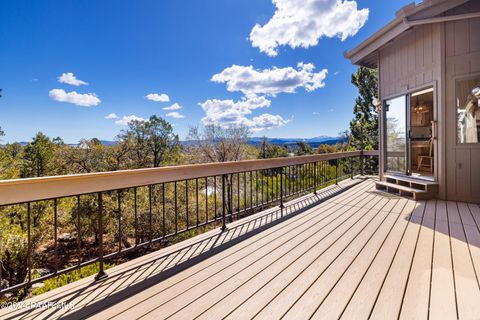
pixel 421 128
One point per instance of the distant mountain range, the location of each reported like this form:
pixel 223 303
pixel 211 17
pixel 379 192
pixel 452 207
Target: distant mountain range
pixel 314 142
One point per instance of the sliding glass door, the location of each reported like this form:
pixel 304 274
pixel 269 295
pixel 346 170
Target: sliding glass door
pixel 396 134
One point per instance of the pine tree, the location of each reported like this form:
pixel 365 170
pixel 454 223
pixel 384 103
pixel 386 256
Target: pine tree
pixel 364 125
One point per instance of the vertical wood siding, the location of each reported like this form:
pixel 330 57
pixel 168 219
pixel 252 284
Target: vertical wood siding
pixel 412 60
pixel 462 59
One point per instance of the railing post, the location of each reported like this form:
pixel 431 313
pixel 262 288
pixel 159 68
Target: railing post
pixel 224 226
pixel 101 273
pixel 315 178
pixel 281 191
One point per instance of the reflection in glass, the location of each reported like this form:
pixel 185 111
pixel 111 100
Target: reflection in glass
pixel 468 112
pixel 396 139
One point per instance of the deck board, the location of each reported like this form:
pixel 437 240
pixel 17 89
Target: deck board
pixel 352 253
pixel 417 293
pixel 466 285
pixel 443 303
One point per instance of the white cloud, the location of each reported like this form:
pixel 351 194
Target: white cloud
pixel 79 99
pixel 111 116
pixel 125 120
pixel 227 113
pixel 273 81
pixel 301 23
pixel 267 121
pixel 174 106
pixel 69 78
pixel 175 115
pixel 158 97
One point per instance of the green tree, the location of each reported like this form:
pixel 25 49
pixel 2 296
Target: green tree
pixel 162 144
pixel 88 156
pixel 37 156
pixel 11 161
pixel 152 142
pixel 302 149
pixel 268 150
pixel 364 125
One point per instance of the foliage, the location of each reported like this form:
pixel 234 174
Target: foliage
pixel 303 149
pixel 153 142
pixel 37 157
pixel 326 148
pixel 268 150
pixel 69 277
pixel 364 126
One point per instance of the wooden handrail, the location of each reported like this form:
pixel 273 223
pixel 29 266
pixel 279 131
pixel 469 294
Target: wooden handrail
pixel 44 188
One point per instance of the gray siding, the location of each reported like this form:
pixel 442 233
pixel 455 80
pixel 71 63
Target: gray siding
pixel 462 59
pixel 410 61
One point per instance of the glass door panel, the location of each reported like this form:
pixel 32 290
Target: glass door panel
pixel 396 134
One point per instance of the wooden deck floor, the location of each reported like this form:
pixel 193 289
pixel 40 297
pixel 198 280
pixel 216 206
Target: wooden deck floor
pixel 356 255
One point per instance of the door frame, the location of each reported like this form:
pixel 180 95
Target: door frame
pixel 407 122
pixel 407 93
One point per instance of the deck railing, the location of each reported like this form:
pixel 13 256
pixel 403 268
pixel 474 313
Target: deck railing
pixel 67 222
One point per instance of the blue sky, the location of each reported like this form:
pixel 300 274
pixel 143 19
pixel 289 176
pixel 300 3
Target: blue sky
pixel 126 50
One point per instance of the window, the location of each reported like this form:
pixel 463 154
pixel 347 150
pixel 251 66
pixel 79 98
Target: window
pixel 468 111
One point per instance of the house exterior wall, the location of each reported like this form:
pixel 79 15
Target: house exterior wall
pixel 410 62
pixel 434 54
pixel 462 60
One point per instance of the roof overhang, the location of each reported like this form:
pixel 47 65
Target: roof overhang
pixel 366 53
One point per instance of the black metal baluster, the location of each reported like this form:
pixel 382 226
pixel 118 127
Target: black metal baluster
pixel 315 178
pixel 164 212
pixel 251 191
pixel 196 201
pixel 55 236
pixel 230 197
pixel 79 240
pixel 150 231
pixel 119 199
pixel 336 171
pixel 186 203
pixel 244 193
pixel 263 188
pixel 215 195
pixel 135 209
pixel 29 247
pixel 281 191
pixel 238 194
pixel 224 226
pixel 268 190
pixel 256 188
pixel 175 206
pixel 275 184
pixel 206 200
pixel 101 273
